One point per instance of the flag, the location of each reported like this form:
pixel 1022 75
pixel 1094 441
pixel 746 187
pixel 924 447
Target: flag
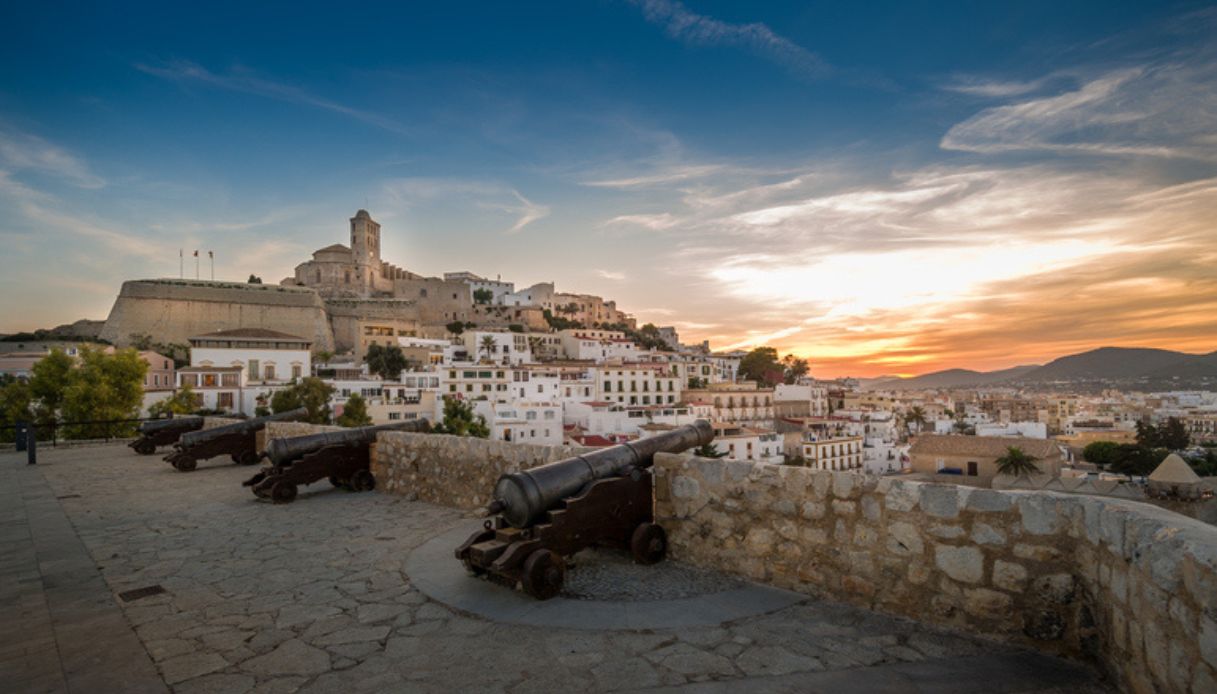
pixel 196 254
pixel 211 254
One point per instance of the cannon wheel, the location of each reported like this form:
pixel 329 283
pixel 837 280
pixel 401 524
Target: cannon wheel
pixel 185 464
pixel 543 574
pixel 283 492
pixel 649 543
pixel 363 481
pixel 145 447
pixel 245 458
pixel 335 481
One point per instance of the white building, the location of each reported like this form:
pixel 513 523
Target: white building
pixel 1031 430
pixel 497 288
pixel 231 369
pixel 598 345
pixel 607 418
pixel 815 395
pixel 537 423
pixel 540 295
pixel 649 383
pixel 836 453
pixel 750 445
pixel 504 347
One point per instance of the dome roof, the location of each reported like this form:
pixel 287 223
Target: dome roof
pixel 362 214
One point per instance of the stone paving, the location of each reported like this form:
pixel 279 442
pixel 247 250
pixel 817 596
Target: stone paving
pixel 311 597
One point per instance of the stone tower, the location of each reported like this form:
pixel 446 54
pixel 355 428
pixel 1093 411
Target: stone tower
pixel 365 247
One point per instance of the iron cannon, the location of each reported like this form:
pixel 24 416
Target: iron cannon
pixel 544 515
pixel 162 432
pixel 239 440
pixel 343 457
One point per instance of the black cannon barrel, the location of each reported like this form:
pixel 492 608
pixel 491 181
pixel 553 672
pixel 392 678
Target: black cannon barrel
pixel 247 426
pixel 184 423
pixel 283 451
pixel 522 497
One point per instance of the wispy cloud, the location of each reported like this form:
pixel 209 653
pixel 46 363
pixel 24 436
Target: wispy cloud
pixel 24 152
pixel 976 86
pixel 656 222
pixel 665 175
pixel 487 195
pixel 1155 110
pixel 609 275
pixel 246 82
pixel 689 27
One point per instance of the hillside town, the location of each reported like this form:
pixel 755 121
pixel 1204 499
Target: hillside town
pixel 532 365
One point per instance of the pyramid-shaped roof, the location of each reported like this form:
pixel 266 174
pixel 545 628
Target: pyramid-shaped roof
pixel 1174 470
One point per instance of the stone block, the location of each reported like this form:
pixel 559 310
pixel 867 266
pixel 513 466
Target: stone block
pixel 902 496
pixel 904 539
pixel 987 604
pixel 813 510
pixel 871 509
pixel 844 508
pixel 685 487
pixel 940 500
pixel 963 564
pixel 1041 514
pixel 946 532
pixel 1036 552
pixel 1009 576
pixel 989 501
pixel 845 484
pixel 985 534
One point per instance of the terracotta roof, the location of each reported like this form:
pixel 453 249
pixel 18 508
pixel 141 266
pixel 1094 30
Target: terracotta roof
pixel 1174 470
pixel 332 247
pixel 250 334
pixel 593 440
pixel 982 446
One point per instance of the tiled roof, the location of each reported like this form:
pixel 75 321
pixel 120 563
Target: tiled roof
pixel 982 446
pixel 250 334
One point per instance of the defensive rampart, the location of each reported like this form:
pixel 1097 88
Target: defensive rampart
pixel 173 311
pixel 1126 584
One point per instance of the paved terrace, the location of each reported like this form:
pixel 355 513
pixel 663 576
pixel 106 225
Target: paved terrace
pixel 316 597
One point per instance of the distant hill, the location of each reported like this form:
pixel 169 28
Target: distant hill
pixel 1123 363
pixel 1159 367
pixel 952 378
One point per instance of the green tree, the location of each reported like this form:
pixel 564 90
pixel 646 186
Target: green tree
pixel 696 383
pixel 1173 435
pixel 324 356
pixel 1017 462
pixel 104 387
pixel 254 279
pixel 48 383
pixel 184 401
pixel 354 412
pixel 455 327
pixel 1101 452
pixel 482 296
pixel 460 420
pixel 487 346
pixel 15 406
pixel 709 450
pixel 311 393
pixel 388 362
pixel 916 416
pixel 762 365
pixel 1135 459
pixel 795 368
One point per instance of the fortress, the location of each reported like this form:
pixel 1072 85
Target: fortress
pixel 342 299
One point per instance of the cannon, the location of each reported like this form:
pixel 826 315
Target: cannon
pixel 162 432
pixel 544 515
pixel 343 457
pixel 239 440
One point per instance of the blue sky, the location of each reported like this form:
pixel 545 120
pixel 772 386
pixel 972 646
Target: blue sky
pixel 867 184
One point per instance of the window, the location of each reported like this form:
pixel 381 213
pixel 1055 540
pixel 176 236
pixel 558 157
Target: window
pixel 296 371
pixel 224 401
pixel 253 369
pixel 394 416
pixel 270 372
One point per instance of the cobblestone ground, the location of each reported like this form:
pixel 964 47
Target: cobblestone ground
pixel 311 597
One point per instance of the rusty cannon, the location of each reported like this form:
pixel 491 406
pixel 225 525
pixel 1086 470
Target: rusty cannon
pixel 342 457
pixel 162 432
pixel 239 440
pixel 544 515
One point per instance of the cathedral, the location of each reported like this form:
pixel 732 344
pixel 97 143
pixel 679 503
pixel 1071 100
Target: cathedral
pixel 354 271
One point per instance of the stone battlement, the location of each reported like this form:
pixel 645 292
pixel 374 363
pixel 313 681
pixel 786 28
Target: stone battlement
pixel 1126 584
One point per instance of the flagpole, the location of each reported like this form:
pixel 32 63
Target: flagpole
pixel 196 265
pixel 181 264
pixel 211 255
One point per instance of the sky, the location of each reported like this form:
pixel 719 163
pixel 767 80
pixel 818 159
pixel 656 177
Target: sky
pixel 879 187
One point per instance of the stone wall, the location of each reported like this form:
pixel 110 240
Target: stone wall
pixel 173 311
pixel 453 470
pixel 213 422
pixel 1128 585
pixel 287 430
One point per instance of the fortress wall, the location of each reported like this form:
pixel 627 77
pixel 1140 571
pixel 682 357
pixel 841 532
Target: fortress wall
pixel 456 471
pixel 1128 585
pixel 172 311
pixel 439 301
pixel 346 314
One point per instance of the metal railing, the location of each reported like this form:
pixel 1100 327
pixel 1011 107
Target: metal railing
pixel 55 432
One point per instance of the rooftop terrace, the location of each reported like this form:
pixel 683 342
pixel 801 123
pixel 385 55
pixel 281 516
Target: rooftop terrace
pixel 120 574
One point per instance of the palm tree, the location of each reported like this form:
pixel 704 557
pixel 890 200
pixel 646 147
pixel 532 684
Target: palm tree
pixel 488 345
pixel 916 415
pixel 534 345
pixel 708 450
pixel 1015 463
